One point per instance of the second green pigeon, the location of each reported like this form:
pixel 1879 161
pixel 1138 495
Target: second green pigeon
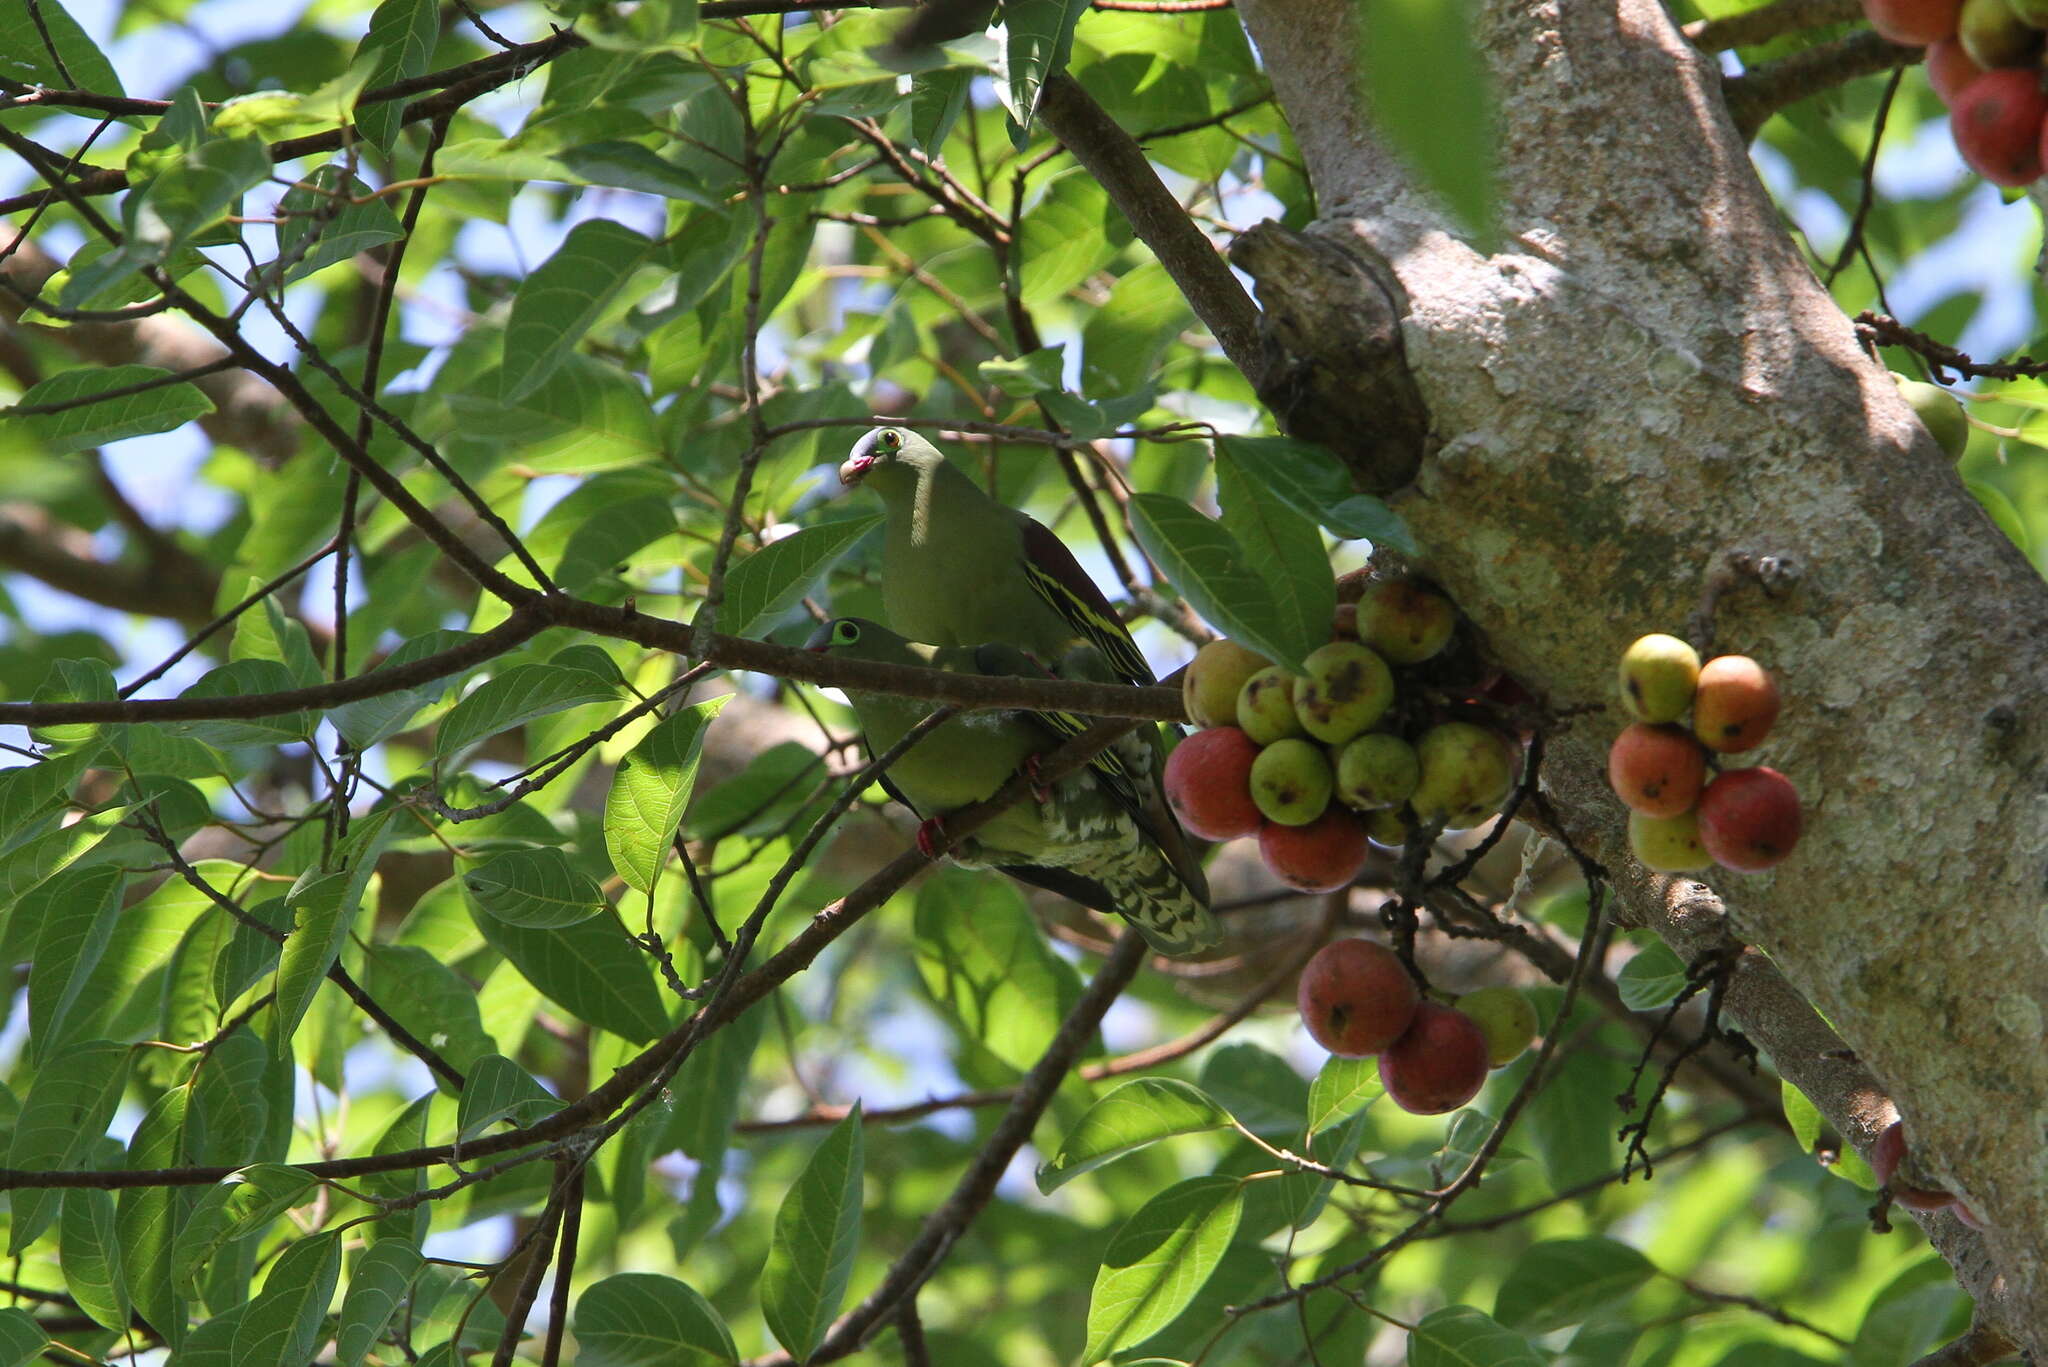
pixel 1088 838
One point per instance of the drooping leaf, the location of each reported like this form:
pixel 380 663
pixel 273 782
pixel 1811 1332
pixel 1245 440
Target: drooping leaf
pixel 1311 480
pixel 1460 1336
pixel 139 400
pixel 651 790
pixel 1206 563
pixel 771 581
pixel 591 968
pixel 1344 1087
pixel 1159 1261
pixel 377 1286
pixel 639 1319
pixel 67 1109
pixel 517 696
pixel 563 297
pixel 539 889
pixel 1560 1282
pixel 1038 38
pixel 91 1259
pixel 402 34
pixel 75 64
pixel 817 1229
pixel 1287 549
pixel 329 218
pixel 1651 979
pixel 499 1089
pixel 282 1324
pixel 1427 88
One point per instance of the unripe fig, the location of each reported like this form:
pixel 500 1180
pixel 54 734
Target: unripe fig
pixel 1994 36
pixel 1950 70
pixel 1377 770
pixel 1749 819
pixel 1404 621
pixel 1887 1155
pixel 1939 412
pixel 1656 770
pixel 1291 782
pixel 1356 998
pixel 1322 856
pixel 1438 1065
pixel 1387 827
pixel 1913 23
pixel 1735 705
pixel 1996 124
pixel 1265 706
pixel 1213 680
pixel 1346 689
pixel 1507 1018
pixel 1209 782
pixel 1467 771
pixel 1657 677
pixel 1668 844
pixel 2033 13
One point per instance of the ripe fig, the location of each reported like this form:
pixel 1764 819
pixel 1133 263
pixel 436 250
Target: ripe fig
pixel 1213 680
pixel 1668 844
pixel 1322 856
pixel 1467 771
pixel 1377 770
pixel 1291 782
pixel 1950 70
pixel 1994 36
pixel 1265 706
pixel 1656 770
pixel 1658 673
pixel 1438 1065
pixel 1887 1156
pixel 1507 1018
pixel 1736 704
pixel 1749 819
pixel 1208 781
pixel 1404 621
pixel 1346 689
pixel 1356 998
pixel 1996 124
pixel 1913 23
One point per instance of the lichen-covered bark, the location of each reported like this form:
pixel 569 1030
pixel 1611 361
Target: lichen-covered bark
pixel 1644 378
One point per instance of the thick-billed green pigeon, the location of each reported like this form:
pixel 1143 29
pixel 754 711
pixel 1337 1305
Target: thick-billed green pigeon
pixel 1088 837
pixel 960 569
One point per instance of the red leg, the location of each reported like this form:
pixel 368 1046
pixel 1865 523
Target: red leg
pixel 1040 790
pixel 930 832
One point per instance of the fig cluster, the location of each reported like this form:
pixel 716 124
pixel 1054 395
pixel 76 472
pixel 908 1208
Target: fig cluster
pixel 1358 999
pixel 1352 750
pixel 1984 61
pixel 1680 818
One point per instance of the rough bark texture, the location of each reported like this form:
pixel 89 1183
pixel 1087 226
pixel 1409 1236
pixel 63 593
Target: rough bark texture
pixel 1645 378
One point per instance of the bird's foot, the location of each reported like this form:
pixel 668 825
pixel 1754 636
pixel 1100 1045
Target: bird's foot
pixel 930 832
pixel 1040 789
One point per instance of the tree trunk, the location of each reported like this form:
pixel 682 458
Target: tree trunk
pixel 1644 380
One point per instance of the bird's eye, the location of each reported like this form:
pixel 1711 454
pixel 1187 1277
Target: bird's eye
pixel 889 440
pixel 845 634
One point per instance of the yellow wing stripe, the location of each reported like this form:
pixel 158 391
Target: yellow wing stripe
pixel 1106 634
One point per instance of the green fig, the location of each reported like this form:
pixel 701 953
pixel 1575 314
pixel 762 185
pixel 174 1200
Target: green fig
pixel 1346 689
pixel 1291 782
pixel 1265 706
pixel 1658 674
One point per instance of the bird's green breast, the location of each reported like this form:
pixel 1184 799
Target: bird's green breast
pixel 952 570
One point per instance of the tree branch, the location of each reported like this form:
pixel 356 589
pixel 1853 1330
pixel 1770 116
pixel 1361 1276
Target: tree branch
pixel 1773 20
pixel 1756 95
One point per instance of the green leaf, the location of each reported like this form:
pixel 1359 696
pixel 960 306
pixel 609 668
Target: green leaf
pixel 1289 552
pixel 1035 372
pixel 67 1110
pixel 77 64
pixel 241 679
pixel 1132 1116
pixel 402 34
pixel 1994 502
pixel 91 1258
pixel 322 907
pixel 1259 1088
pixel 26 865
pixel 1653 978
pixel 376 1288
pixel 1159 1261
pixel 563 297
pixel 97 421
pixel 78 910
pixel 1560 1282
pixel 1427 87
pixel 537 888
pixel 330 217
pixel 1460 1336
pixel 1124 340
pixel 243 1202
pixel 711 1078
pixel 22 1340
pixel 638 1319
pixel 592 968
pixel 1038 38
pixel 499 1089
pixel 768 583
pixel 516 697
pixel 282 1324
pixel 366 722
pixel 146 1219
pixel 1343 1088
pixel 601 545
pixel 987 965
pixel 429 999
pixel 1312 481
pixel 1206 563
pixel 817 1230
pixel 1805 1119
pixel 651 790
pixel 195 190
pixel 74 681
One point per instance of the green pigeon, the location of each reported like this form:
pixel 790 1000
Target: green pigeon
pixel 959 569
pixel 1087 837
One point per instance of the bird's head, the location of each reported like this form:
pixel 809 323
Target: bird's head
pixel 885 448
pixel 855 636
